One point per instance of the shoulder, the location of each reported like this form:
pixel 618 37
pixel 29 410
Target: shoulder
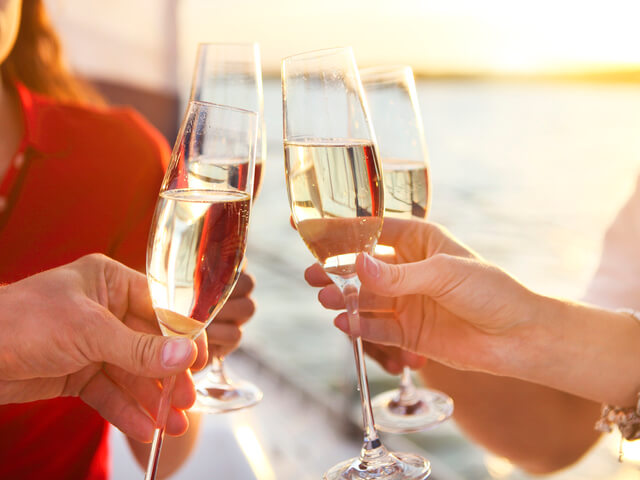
pixel 136 131
pixel 116 132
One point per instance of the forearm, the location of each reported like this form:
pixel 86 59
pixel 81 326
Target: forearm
pixel 537 428
pixel 175 450
pixel 583 350
pixel 567 359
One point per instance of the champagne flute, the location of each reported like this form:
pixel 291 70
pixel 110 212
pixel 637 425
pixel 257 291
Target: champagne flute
pixel 395 114
pixel 336 199
pixel 199 232
pixel 230 74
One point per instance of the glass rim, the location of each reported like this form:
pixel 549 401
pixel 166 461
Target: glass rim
pixel 220 106
pixel 319 53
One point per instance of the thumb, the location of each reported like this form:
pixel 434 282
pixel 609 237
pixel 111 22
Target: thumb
pixel 144 354
pixel 395 280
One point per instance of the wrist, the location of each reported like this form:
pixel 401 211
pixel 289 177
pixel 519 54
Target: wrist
pixel 535 339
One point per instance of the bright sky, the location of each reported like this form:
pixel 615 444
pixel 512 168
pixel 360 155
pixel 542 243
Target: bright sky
pixel 441 36
pixel 433 35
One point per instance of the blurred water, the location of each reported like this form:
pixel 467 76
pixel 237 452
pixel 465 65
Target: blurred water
pixel 528 174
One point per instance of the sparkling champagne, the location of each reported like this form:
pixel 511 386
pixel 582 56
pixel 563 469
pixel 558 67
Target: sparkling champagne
pixel 336 199
pixel 195 253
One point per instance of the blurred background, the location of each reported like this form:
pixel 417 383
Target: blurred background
pixel 532 118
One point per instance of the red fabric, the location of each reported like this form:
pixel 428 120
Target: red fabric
pixel 89 183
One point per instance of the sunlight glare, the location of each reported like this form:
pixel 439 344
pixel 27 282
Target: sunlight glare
pixel 630 450
pixel 498 467
pixel 254 452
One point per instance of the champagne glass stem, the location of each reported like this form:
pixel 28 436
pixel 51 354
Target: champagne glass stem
pixel 372 447
pixel 216 373
pixel 161 423
pixel 407 395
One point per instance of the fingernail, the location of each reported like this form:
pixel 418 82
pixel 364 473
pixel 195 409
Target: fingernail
pixel 176 351
pixel 342 323
pixel 371 266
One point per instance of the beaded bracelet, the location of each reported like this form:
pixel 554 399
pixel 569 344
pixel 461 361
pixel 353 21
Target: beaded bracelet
pixel 626 419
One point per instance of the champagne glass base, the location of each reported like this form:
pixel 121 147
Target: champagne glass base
pixel 219 398
pixel 393 466
pixel 427 409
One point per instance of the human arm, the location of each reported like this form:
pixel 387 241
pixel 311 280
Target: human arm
pixel 476 317
pixel 87 329
pixel 468 314
pixel 559 426
pixel 537 428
